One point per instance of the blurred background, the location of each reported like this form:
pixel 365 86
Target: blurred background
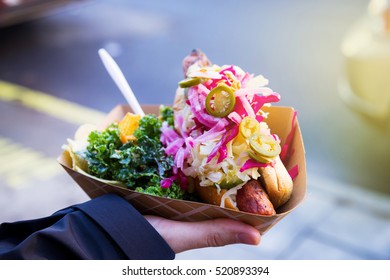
pixel 330 60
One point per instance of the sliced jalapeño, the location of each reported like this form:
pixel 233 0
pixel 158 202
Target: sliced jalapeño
pixel 264 147
pixel 220 101
pixel 190 82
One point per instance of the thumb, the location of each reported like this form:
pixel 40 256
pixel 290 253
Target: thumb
pixel 182 236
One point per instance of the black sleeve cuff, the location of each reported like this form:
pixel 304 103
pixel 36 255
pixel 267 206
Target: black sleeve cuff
pixel 127 227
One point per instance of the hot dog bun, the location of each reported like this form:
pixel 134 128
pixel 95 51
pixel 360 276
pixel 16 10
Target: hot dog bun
pixel 277 182
pixel 211 195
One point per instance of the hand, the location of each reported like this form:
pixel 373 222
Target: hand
pixel 182 236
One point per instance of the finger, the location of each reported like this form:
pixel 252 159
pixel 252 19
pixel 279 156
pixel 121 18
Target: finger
pixel 182 236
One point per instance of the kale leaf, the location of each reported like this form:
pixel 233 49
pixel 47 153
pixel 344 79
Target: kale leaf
pixel 140 164
pixel 167 114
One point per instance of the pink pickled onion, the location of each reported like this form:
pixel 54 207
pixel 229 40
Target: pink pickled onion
pixel 235 117
pixel 166 183
pixel 173 147
pixel 254 91
pixel 247 107
pixel 198 109
pixel 294 172
pixel 180 157
pixel 258 101
pixel 286 149
pixel 220 147
pixel 168 134
pixel 251 163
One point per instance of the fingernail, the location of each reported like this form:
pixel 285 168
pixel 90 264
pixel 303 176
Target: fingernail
pixel 247 238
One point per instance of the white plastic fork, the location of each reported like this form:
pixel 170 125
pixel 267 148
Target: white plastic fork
pixel 121 82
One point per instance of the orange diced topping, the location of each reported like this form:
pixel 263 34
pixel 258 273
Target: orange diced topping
pixel 127 126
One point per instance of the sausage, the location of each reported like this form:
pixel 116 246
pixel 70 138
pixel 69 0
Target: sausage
pixel 195 57
pixel 253 198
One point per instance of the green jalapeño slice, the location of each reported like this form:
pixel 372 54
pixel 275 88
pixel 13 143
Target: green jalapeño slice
pixel 264 147
pixel 190 82
pixel 259 158
pixel 220 101
pixel 248 127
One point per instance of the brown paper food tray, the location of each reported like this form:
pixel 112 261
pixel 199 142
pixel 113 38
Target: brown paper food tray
pixel 280 121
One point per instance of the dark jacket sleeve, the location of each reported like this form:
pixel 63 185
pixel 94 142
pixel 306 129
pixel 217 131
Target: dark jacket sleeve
pixel 107 227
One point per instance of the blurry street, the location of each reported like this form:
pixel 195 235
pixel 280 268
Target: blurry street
pixel 52 80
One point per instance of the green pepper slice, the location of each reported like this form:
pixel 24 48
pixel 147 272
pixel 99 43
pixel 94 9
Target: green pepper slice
pixel 264 146
pixel 190 82
pixel 230 180
pixel 220 101
pixel 249 126
pixel 259 158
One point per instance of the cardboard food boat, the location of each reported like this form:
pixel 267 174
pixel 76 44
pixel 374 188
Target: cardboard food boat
pixel 281 120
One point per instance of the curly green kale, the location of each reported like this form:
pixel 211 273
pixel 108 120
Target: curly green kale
pixel 140 164
pixel 102 146
pixel 167 114
pixel 174 191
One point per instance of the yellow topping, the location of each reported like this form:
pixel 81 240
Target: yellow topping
pixel 249 126
pixel 127 126
pixel 264 147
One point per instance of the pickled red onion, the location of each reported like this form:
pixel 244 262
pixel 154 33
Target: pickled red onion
pixel 251 163
pixel 294 172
